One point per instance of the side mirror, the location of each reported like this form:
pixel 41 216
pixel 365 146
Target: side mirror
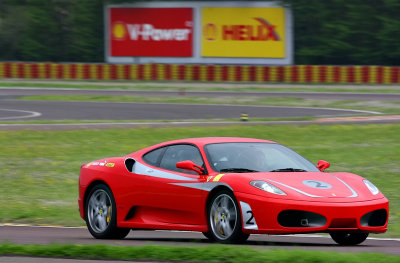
pixel 322 165
pixel 189 165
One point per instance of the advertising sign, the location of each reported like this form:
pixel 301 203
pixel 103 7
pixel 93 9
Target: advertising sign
pixel 150 32
pixel 199 32
pixel 243 32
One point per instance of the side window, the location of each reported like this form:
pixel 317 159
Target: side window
pixel 153 157
pixel 177 153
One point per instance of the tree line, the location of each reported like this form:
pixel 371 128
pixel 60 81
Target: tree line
pixel 335 32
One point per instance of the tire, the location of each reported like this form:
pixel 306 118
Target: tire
pixel 224 219
pixel 348 239
pixel 101 216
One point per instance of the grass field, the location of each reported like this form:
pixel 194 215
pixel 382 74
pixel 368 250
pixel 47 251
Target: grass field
pixel 199 86
pixel 216 254
pixel 39 169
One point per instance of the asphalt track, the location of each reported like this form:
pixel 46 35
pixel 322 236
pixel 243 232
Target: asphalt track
pixel 78 110
pixel 55 235
pixel 12 109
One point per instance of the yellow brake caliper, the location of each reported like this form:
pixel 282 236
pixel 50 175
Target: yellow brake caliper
pixel 221 230
pixel 109 215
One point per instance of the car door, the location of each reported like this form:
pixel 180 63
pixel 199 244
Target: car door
pixel 165 197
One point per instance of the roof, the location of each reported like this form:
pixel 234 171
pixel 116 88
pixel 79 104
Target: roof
pixel 208 140
pixel 201 142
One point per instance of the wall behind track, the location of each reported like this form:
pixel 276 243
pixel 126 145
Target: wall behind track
pixel 214 73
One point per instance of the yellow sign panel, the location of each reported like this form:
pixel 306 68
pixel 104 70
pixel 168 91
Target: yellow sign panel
pixel 243 32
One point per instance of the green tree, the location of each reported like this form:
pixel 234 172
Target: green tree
pixel 346 32
pixel 338 32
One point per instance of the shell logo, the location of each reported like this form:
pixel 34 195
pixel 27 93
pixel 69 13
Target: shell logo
pixel 119 30
pixel 210 32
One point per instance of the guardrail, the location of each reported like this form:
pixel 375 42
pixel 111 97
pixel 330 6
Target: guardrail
pixel 213 73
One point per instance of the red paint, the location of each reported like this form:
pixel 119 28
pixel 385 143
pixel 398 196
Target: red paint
pixel 267 72
pixel 365 74
pixel 195 72
pixel 350 74
pixel 34 70
pixel 322 74
pixel 225 70
pixel 308 73
pixel 210 73
pixel 295 74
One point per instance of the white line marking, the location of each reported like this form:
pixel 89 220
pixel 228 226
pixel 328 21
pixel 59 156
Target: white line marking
pixel 226 105
pixel 30 114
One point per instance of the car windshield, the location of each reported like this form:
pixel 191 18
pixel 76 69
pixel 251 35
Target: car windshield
pixel 240 157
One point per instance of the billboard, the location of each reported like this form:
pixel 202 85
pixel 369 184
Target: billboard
pixel 199 32
pixel 151 32
pixel 243 32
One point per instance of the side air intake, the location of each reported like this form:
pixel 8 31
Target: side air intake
pixel 129 164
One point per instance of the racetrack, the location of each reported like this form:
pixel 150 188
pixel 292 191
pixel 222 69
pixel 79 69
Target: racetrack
pixel 11 109
pixel 56 235
pixel 19 110
pixel 78 110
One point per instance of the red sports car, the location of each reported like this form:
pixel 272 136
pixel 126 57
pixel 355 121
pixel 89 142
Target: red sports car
pixel 227 188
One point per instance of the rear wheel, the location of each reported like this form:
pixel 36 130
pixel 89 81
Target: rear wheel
pixel 101 216
pixel 348 239
pixel 224 219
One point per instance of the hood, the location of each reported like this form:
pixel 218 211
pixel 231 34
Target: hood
pixel 315 186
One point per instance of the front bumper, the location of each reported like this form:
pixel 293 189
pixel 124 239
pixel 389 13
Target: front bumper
pixel 280 216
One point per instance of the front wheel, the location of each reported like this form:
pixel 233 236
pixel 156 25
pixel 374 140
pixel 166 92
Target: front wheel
pixel 348 239
pixel 224 220
pixel 101 216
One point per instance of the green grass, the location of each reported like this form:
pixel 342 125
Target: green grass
pixel 194 121
pixel 39 169
pixel 208 86
pixel 216 254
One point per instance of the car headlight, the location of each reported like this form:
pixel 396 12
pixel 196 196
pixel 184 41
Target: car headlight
pixel 267 187
pixel 374 190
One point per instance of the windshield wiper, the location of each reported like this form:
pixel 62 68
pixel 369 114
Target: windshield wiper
pixel 288 170
pixel 238 170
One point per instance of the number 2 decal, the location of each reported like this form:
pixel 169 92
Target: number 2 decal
pixel 251 219
pixel 317 184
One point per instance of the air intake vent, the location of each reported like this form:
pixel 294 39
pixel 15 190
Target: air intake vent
pixel 129 164
pixel 130 214
pixel 297 218
pixel 374 218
